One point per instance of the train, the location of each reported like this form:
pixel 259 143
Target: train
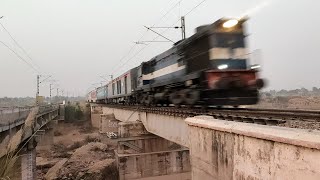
pixel 210 68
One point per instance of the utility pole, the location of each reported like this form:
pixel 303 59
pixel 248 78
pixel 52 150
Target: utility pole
pixel 51 93
pixel 38 87
pixel 38 90
pixel 57 92
pixel 183 28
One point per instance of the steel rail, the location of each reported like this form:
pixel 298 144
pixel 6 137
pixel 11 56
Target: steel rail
pixel 249 115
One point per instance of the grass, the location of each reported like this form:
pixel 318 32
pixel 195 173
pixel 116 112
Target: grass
pixel 11 154
pixel 7 167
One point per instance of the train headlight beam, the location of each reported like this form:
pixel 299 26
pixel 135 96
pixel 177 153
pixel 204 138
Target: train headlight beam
pixel 230 23
pixel 223 66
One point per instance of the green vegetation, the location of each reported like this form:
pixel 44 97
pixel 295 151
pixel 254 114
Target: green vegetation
pixel 74 112
pixel 30 101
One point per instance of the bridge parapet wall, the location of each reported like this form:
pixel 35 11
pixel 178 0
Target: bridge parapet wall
pixel 231 150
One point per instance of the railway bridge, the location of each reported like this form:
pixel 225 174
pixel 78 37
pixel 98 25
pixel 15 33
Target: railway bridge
pixel 218 144
pixel 19 127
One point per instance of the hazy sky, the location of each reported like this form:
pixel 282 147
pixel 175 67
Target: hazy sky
pixel 76 41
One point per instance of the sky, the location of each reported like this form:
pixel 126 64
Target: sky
pixel 77 41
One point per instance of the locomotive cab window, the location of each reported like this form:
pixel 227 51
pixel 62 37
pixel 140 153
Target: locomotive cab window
pixel 228 51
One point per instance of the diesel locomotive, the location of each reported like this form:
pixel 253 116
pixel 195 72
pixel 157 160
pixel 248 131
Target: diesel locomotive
pixel 209 68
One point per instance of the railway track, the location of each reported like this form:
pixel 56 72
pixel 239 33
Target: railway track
pixel 247 115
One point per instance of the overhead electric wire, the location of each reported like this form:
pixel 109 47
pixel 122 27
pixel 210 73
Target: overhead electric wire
pixel 31 62
pixel 133 56
pixel 195 7
pixel 15 41
pixel 159 35
pixel 142 36
pixel 21 58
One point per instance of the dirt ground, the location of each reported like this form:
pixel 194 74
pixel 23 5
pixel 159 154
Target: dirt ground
pixel 78 152
pixel 290 102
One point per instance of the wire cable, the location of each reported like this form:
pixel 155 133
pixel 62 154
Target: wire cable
pixel 24 51
pixel 21 58
pixel 195 7
pixel 144 34
pixel 160 34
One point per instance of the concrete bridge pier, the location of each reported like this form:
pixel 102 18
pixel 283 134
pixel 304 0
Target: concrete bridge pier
pixel 45 135
pixel 219 149
pixel 28 162
pixel 142 155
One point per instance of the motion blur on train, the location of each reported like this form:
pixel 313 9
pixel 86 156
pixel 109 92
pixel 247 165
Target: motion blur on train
pixel 209 68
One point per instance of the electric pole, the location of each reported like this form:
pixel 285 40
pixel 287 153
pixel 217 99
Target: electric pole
pixel 51 93
pixel 183 28
pixel 38 87
pixel 38 90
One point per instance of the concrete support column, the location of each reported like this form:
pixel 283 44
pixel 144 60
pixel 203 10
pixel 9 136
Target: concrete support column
pixel 96 116
pixel 131 129
pixel 144 155
pixel 28 165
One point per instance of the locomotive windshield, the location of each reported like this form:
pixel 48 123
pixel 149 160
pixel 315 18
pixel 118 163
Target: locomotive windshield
pixel 228 51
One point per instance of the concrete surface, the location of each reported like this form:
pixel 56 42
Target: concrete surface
pixel 232 150
pixel 28 165
pixel 226 150
pixel 169 127
pixel 108 123
pixel 143 155
pixel 134 166
pixel 180 176
pixel 95 120
pixel 131 129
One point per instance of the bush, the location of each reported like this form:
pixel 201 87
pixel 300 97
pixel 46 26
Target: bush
pixel 57 133
pixel 110 172
pixel 92 139
pixel 73 112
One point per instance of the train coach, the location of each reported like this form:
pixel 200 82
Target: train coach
pixel 102 94
pixel 122 88
pixel 92 96
pixel 209 68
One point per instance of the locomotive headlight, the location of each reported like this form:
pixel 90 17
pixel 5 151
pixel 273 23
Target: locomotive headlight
pixel 256 66
pixel 230 23
pixel 223 66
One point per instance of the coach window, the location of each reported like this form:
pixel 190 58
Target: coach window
pixel 125 85
pixel 113 88
pixel 117 87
